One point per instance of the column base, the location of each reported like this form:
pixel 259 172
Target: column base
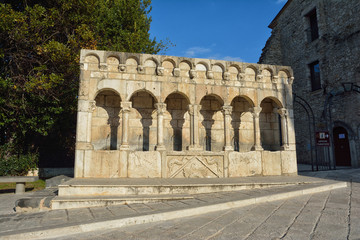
pixel 284 147
pixel 124 147
pixel 257 148
pixel 228 148
pixel 194 148
pixel 160 148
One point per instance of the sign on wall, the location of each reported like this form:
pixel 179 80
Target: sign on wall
pixel 323 138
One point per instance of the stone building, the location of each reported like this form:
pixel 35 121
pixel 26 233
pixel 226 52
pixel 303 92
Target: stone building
pixel 320 40
pixel 143 116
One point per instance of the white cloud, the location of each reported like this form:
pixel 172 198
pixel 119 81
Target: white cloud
pixel 195 51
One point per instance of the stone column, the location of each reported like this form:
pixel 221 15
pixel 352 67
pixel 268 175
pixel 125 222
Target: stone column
pixel 194 111
pixel 256 114
pixel 92 107
pixel 227 110
pixel 283 115
pixel 161 108
pixel 125 109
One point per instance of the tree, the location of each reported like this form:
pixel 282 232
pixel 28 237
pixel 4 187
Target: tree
pixel 40 43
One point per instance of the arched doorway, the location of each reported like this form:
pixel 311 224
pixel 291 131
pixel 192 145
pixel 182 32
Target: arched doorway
pixel 341 147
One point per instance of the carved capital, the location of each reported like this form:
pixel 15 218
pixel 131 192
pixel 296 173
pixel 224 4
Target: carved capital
pixel 256 111
pixel 92 106
pixel 275 79
pixel 82 66
pixel 176 72
pixel 193 73
pixel 161 108
pixel 141 69
pixel 226 76
pixel 290 80
pixel 126 107
pixel 241 76
pixel 227 109
pixel 103 67
pixel 122 67
pixel 282 112
pixel 259 77
pixel 210 74
pixel 194 109
pixel 160 71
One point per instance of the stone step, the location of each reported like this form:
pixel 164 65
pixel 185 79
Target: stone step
pixel 104 201
pixel 126 187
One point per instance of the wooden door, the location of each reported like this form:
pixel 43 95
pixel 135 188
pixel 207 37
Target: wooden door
pixel 342 147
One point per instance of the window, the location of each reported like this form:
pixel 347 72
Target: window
pixel 315 76
pixel 313 30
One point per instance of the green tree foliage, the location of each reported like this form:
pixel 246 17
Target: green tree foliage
pixel 40 42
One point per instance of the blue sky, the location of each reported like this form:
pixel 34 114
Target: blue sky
pixel 233 30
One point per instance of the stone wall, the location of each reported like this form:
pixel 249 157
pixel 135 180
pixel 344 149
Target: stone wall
pixel 145 116
pixel 338 51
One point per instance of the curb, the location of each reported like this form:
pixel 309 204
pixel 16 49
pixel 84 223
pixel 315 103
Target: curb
pixel 61 231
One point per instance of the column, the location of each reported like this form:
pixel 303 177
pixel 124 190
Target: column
pixel 283 115
pixel 161 108
pixel 125 109
pixel 92 107
pixel 256 114
pixel 194 110
pixel 227 110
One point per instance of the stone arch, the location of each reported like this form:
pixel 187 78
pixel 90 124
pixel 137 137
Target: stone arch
pixel 113 63
pixel 105 130
pixel 283 76
pixel 177 121
pixel 150 65
pixel 218 70
pixel 104 85
pixel 92 62
pixel 242 123
pixel 270 124
pixel 234 71
pixel 201 69
pixel 267 75
pixel 250 73
pixel 212 123
pixel 131 64
pixel 142 128
pixel 185 67
pixel 130 95
pixel 168 66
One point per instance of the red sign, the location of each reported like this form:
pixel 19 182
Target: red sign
pixel 323 138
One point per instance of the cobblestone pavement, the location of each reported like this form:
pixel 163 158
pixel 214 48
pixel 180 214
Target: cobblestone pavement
pixel 328 215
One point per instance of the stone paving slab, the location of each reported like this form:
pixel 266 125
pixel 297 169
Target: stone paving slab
pixel 58 223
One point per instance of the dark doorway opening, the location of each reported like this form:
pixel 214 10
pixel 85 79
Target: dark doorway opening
pixel 341 147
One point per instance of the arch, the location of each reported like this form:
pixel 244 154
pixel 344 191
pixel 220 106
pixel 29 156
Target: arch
pixel 185 67
pixel 212 124
pixel 250 73
pixel 351 133
pixel 275 99
pixel 151 59
pixel 201 70
pixel 234 72
pixel 283 75
pixel 131 57
pixel 242 124
pixel 168 67
pixel 270 125
pixel 106 120
pixel 92 62
pixel 169 60
pixel 177 121
pixel 267 75
pixel 113 63
pixel 142 128
pixel 143 90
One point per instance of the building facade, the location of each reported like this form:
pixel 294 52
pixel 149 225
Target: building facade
pixel 320 40
pixel 143 116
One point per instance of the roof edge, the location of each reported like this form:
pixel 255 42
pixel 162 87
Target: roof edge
pixel 274 21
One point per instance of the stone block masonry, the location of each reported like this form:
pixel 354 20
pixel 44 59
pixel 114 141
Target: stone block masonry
pixel 148 116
